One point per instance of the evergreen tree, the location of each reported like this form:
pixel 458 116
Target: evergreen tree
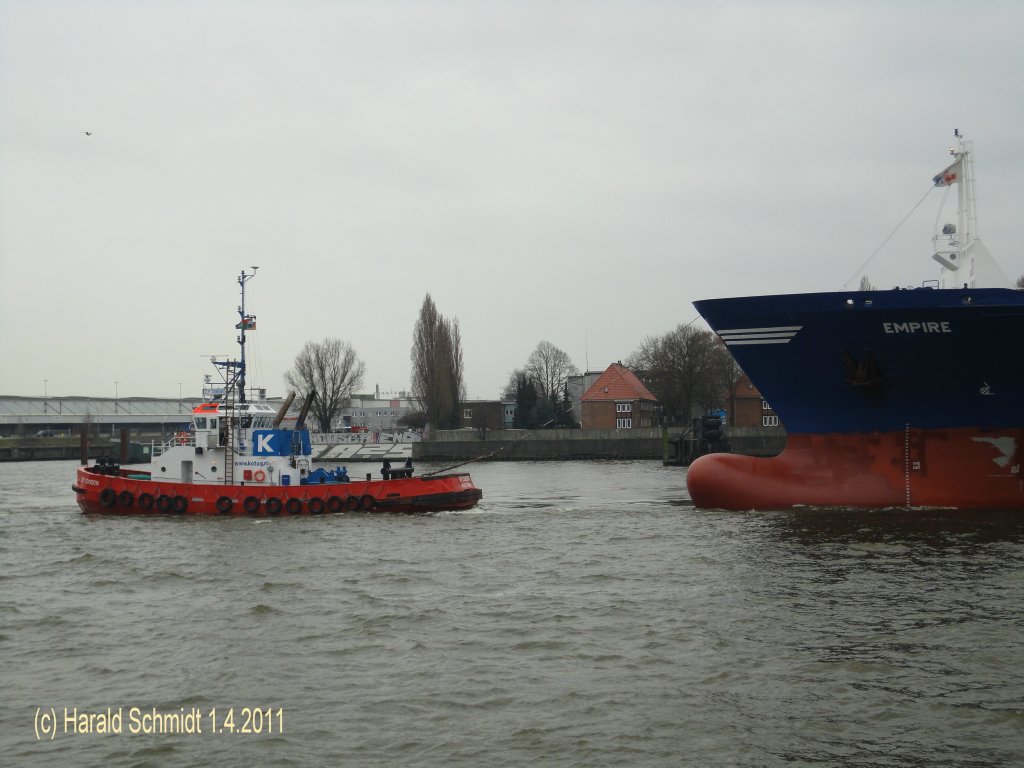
pixel 526 402
pixel 565 418
pixel 543 414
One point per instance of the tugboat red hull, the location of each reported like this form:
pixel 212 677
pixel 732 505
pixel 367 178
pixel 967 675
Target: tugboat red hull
pixel 132 492
pixel 961 468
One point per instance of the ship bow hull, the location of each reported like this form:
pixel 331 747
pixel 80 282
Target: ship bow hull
pixel 961 468
pixel 888 398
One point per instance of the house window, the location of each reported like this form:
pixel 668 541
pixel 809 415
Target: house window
pixel 765 406
pixel 770 421
pixel 623 407
pixel 467 413
pixel 623 423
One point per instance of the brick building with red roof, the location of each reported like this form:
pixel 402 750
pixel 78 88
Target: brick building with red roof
pixel 618 400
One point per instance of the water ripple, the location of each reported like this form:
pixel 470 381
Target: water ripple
pixel 584 615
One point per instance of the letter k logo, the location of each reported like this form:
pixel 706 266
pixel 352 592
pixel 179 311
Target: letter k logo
pixel 263 444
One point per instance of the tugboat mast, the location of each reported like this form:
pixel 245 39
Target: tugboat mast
pixel 243 322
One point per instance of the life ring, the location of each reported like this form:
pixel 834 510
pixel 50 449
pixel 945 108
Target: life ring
pixel 259 475
pixel 125 498
pixel 316 506
pixel 182 438
pixel 108 498
pixel 163 503
pixel 251 504
pixel 367 503
pixel 179 505
pixel 224 505
pixel 273 505
pixel 294 506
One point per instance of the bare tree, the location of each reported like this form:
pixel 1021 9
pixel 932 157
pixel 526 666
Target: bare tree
pixel 331 369
pixel 550 367
pixel 437 366
pixel 726 375
pixel 685 368
pixel 1020 281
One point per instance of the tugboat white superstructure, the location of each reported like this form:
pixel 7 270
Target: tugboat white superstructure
pixel 237 459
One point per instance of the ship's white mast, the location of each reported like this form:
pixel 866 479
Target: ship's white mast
pixel 967 213
pixel 964 260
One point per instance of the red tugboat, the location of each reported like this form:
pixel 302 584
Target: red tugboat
pixel 237 460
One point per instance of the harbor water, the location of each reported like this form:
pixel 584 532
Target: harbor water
pixel 585 614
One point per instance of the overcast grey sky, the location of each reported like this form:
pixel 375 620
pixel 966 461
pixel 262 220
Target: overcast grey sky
pixel 576 172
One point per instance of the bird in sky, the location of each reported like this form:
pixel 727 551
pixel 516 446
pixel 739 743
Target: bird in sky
pixel 87 133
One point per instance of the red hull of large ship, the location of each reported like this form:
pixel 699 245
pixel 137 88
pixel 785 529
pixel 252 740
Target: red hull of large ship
pixel 122 494
pixel 962 468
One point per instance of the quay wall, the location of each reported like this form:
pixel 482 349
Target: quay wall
pixel 63 449
pixel 577 444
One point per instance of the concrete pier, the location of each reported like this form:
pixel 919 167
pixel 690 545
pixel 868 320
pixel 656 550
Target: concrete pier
pixel 575 444
pixel 64 448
